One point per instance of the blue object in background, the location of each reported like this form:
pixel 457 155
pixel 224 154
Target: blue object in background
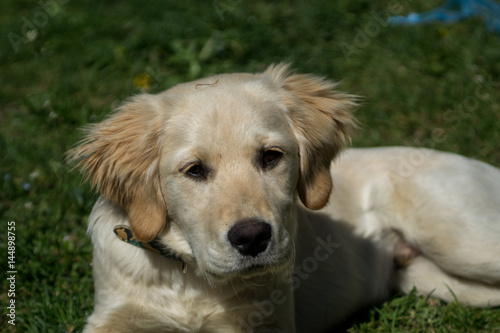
pixel 456 10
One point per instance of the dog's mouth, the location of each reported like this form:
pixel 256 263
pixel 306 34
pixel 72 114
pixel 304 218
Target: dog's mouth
pixel 256 270
pixel 253 269
pixel 250 273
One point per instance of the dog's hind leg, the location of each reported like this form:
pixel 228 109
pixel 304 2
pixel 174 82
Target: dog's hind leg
pixel 429 279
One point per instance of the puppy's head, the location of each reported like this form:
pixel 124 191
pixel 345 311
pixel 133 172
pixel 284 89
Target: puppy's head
pixel 219 162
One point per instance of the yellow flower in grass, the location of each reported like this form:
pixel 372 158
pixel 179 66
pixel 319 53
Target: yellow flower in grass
pixel 143 81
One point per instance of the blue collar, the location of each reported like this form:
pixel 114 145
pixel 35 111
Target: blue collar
pixel 126 234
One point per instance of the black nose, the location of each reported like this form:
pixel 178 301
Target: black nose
pixel 250 237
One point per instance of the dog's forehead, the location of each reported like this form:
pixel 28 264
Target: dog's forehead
pixel 230 94
pixel 243 112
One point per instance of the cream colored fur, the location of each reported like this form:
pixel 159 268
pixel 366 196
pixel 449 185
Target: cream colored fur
pixel 187 165
pixel 447 206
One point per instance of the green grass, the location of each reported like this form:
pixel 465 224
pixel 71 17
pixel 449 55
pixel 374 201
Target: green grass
pixel 411 313
pixel 434 86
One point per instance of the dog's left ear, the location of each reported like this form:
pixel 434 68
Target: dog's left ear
pixel 120 157
pixel 322 120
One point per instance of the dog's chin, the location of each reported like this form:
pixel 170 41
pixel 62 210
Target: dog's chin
pixel 251 272
pixel 247 273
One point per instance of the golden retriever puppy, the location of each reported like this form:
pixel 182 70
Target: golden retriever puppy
pixel 201 226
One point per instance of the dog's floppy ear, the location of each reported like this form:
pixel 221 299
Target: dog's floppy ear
pixel 322 120
pixel 120 157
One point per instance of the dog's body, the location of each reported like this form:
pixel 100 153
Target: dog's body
pixel 212 170
pixel 444 205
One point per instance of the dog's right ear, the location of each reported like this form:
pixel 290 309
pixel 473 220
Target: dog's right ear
pixel 120 157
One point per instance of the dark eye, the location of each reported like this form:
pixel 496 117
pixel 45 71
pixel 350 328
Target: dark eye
pixel 196 171
pixel 271 157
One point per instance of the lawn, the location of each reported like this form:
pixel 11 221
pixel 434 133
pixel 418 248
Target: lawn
pixel 66 63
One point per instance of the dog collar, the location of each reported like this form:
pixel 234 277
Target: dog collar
pixel 126 234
